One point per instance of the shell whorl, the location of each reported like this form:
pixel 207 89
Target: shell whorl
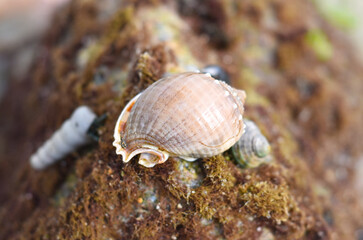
pixel 252 149
pixel 71 135
pixel 190 115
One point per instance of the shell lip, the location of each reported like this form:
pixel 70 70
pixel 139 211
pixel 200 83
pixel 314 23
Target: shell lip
pixel 122 148
pixel 127 155
pixel 121 121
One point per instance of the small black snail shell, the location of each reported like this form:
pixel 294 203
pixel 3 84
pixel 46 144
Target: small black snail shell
pixel 252 149
pixel 217 72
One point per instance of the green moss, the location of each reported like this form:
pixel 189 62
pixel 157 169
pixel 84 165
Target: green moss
pixel 119 21
pixel 203 200
pixel 267 200
pixel 250 81
pixel 217 186
pixel 218 173
pixel 144 68
pixel 164 26
pixel 319 43
pixel 111 40
pixel 66 188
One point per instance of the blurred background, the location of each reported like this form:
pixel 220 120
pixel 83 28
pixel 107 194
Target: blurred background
pixel 22 23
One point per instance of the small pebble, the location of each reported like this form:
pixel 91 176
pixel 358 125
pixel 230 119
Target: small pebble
pixel 217 72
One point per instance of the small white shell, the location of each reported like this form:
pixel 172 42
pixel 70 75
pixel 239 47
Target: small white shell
pixel 189 115
pixel 65 140
pixel 252 149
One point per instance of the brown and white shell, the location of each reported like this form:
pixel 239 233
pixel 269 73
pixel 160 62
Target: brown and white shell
pixel 189 115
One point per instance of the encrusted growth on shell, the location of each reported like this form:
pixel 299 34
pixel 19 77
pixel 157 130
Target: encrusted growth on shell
pixel 252 149
pixel 189 115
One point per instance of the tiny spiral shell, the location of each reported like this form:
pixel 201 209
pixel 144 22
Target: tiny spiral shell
pixel 252 149
pixel 71 135
pixel 189 115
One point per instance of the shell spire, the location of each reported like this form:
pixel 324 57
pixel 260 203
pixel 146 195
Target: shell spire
pixel 71 135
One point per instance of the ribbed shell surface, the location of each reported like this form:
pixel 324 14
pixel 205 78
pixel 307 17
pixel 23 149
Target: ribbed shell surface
pixel 188 114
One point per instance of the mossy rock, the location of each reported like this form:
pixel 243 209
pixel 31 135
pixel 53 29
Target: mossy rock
pixel 305 100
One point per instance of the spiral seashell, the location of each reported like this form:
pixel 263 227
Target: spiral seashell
pixel 71 135
pixel 189 115
pixel 252 149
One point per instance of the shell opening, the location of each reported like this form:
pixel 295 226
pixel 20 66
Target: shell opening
pixel 149 160
pixel 149 156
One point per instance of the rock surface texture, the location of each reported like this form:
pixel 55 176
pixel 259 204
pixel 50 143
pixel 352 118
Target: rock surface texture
pixel 304 91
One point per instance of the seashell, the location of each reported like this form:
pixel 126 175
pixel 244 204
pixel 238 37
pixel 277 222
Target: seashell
pixel 71 135
pixel 189 115
pixel 217 72
pixel 252 149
